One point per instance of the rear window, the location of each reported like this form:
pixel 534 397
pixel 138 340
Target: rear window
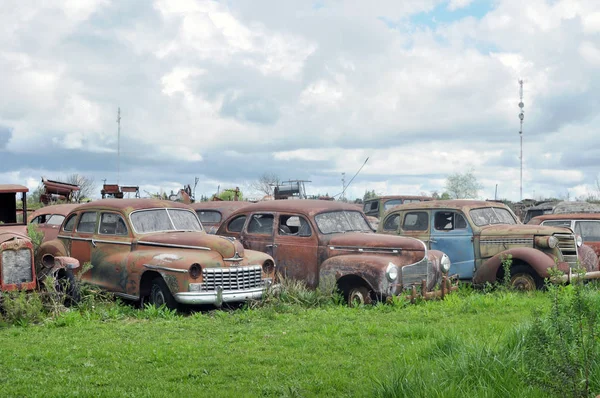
pixel 209 216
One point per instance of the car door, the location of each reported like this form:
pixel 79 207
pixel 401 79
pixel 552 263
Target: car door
pixel 258 234
pixel 52 226
pixel 452 234
pixel 415 224
pixel 81 239
pixel 111 245
pixel 295 249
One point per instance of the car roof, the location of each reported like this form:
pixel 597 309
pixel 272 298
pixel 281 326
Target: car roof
pixel 429 198
pixel 307 206
pixel 10 188
pixel 62 209
pixel 130 205
pixel 566 216
pixel 462 204
pixel 219 204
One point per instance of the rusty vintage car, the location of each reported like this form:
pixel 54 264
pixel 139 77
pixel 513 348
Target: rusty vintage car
pixel 376 207
pixel 212 213
pixel 479 235
pixel 315 239
pixel 18 269
pixel 155 250
pixel 586 225
pixel 49 218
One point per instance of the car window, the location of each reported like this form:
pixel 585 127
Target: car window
pixel 392 222
pixel 87 222
pixel 209 216
pixel 391 203
pixel 448 220
pixel 236 224
pixel 558 223
pixel 70 223
pixel 589 230
pixel 416 221
pixel 371 206
pixel 293 225
pixel 112 224
pixel 41 219
pixel 55 219
pixel 261 224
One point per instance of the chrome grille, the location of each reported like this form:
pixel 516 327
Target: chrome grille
pixel 413 274
pixel 16 266
pixel 568 247
pixel 234 278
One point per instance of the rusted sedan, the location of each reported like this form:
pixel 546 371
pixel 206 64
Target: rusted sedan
pixel 18 270
pixel 212 213
pixel 478 236
pixel 315 239
pixel 157 250
pixel 49 218
pixel 586 225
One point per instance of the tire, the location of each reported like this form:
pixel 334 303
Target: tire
pixel 68 288
pixel 359 295
pixel 161 295
pixel 523 278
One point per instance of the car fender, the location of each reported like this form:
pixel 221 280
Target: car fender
pixel 588 258
pixel 538 260
pixel 370 268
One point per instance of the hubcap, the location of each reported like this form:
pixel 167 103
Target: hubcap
pixel 158 298
pixel 522 282
pixel 357 298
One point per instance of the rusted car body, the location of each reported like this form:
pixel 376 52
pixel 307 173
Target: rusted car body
pixel 586 225
pixel 155 249
pixel 55 190
pixel 479 235
pixel 376 207
pixel 18 269
pixel 212 213
pixel 315 239
pixel 49 218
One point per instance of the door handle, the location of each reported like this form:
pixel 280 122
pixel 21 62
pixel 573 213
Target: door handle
pixel 94 242
pixel 432 240
pixel 273 246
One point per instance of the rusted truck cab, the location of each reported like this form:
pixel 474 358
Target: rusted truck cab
pixel 376 207
pixel 314 239
pixel 479 235
pixel 157 250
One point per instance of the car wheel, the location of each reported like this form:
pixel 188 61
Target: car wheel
pixel 359 295
pixel 68 288
pixel 161 295
pixel 524 278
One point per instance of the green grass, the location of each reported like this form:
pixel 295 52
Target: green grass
pixel 462 345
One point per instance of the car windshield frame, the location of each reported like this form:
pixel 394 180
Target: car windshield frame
pixel 319 221
pixel 494 213
pixel 132 220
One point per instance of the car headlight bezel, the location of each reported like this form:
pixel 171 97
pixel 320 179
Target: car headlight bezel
pixel 445 264
pixel 552 242
pixel 391 272
pixel 578 240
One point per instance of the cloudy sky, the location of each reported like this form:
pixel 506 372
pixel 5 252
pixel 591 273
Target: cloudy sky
pixel 228 90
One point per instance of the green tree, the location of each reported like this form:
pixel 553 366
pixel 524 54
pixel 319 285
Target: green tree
pixel 369 195
pixel 462 185
pixel 230 194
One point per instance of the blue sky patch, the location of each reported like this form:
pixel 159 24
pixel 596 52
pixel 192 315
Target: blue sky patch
pixel 442 15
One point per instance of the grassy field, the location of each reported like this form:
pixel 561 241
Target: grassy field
pixel 453 346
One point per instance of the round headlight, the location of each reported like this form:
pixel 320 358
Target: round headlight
pixel 445 263
pixel 268 267
pixel 552 242
pixel 579 240
pixel 195 271
pixel 391 272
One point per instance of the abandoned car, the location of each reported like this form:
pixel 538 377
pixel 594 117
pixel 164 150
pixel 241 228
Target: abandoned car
pixel 586 225
pixel 155 250
pixel 211 213
pixel 376 207
pixel 315 239
pixel 18 269
pixel 49 218
pixel 479 235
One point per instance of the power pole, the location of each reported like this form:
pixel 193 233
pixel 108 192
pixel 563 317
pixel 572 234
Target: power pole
pixel 521 117
pixel 118 144
pixel 343 186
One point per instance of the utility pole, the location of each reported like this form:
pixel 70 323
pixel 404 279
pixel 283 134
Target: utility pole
pixel 343 186
pixel 118 144
pixel 521 117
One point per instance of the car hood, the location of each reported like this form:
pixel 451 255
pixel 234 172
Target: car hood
pixel 13 232
pixel 522 230
pixel 227 247
pixel 372 240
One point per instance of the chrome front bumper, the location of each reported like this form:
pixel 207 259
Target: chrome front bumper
pixel 218 296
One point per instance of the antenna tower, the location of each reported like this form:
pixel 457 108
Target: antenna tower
pixel 521 117
pixel 118 144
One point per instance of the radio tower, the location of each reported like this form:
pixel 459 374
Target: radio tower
pixel 521 117
pixel 118 144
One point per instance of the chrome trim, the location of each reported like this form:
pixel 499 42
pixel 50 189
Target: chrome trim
pixel 219 296
pixel 507 241
pixel 161 268
pixel 236 257
pixel 388 250
pixel 112 241
pixel 172 245
pixel 76 238
pixel 92 239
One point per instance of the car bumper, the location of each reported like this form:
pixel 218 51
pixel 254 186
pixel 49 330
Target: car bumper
pixel 447 286
pixel 219 296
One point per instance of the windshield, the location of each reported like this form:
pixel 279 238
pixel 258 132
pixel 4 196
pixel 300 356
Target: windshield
pixel 341 221
pixel 158 220
pixel 491 215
